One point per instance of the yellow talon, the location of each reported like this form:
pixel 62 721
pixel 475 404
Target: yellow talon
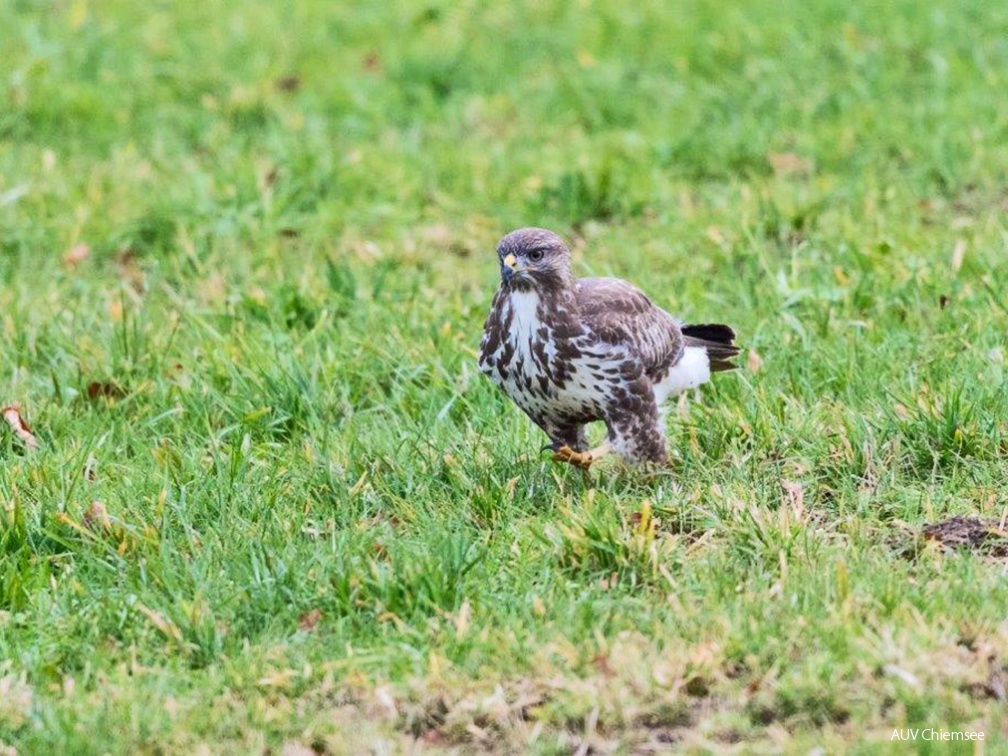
pixel 578 459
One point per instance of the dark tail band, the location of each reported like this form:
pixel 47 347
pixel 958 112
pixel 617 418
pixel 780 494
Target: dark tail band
pixel 718 340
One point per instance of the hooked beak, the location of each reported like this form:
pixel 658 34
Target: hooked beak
pixel 509 266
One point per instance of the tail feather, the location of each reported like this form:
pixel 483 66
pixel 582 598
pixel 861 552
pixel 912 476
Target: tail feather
pixel 717 339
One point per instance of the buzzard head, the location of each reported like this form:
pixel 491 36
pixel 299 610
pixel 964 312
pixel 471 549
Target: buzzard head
pixel 534 258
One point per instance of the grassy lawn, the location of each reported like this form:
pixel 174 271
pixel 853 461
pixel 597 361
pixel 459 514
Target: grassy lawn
pixel 246 250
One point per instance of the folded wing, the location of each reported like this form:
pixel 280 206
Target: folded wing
pixel 619 313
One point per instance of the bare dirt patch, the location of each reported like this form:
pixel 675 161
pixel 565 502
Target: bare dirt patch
pixel 984 534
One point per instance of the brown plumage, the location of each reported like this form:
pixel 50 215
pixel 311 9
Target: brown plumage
pixel 571 351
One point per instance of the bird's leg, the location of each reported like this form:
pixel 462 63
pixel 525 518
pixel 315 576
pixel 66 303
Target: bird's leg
pixel 584 460
pixel 639 435
pixel 565 436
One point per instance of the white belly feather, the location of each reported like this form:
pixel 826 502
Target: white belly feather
pixel 577 395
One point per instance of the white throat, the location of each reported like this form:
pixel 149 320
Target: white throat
pixel 524 307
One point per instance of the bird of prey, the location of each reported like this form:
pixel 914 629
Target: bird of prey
pixel 571 351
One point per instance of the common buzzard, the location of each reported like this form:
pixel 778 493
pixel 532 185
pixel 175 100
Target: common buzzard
pixel 570 351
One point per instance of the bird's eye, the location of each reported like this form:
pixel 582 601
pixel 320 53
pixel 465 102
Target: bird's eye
pixel 535 255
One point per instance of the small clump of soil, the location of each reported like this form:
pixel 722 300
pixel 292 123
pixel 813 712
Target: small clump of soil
pixel 983 534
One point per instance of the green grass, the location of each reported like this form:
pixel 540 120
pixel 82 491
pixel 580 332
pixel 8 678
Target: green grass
pixel 325 528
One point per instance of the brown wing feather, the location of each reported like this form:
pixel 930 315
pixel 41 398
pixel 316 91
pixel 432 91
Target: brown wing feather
pixel 620 313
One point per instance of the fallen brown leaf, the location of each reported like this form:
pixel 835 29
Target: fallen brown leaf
pixel 788 163
pixel 601 661
pixel 129 270
pixel 754 363
pixel 308 620
pixel 96 517
pixel 77 254
pixel 289 83
pixel 107 389
pixel 12 416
